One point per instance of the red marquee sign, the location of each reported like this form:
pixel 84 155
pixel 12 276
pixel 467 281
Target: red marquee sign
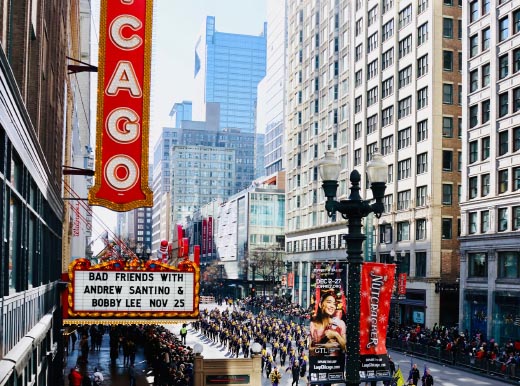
pixel 125 40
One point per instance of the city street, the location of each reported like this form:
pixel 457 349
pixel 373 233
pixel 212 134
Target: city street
pixel 443 375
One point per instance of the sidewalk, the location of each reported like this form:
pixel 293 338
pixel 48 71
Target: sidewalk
pixel 113 375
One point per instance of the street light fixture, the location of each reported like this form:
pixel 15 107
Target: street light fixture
pixel 353 209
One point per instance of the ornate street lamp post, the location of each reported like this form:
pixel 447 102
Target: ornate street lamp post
pixel 353 209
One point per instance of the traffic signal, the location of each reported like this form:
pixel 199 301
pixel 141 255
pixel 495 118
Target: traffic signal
pixel 253 291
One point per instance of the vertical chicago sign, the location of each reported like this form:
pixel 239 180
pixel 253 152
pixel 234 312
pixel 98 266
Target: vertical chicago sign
pixel 123 109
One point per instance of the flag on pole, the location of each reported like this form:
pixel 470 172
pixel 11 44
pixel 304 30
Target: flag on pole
pixel 398 376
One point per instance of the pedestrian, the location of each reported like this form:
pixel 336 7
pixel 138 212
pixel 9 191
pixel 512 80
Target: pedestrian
pixel 97 377
pixel 74 338
pixel 295 370
pixel 275 376
pixel 131 375
pixel 184 332
pixel 414 375
pixel 83 345
pixel 391 366
pixel 427 378
pixel 75 377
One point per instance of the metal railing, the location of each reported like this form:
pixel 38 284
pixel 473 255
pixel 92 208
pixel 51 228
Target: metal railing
pixel 495 368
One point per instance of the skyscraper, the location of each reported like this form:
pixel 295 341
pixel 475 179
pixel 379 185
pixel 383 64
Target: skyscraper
pixel 271 89
pixel 364 75
pixel 490 199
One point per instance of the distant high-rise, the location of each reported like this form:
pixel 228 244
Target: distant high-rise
pixel 228 68
pixel 490 197
pixel 271 90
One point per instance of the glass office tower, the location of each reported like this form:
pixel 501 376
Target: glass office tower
pixel 228 68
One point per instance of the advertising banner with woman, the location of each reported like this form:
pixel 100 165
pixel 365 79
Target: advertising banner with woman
pixel 327 337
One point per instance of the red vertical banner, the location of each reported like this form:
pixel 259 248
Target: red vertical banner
pixel 377 283
pixel 180 236
pixel 210 236
pixel 290 279
pixel 123 110
pixel 196 255
pixel 204 236
pixel 401 289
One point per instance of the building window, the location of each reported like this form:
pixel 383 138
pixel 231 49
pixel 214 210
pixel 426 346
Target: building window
pixel 357 104
pixel 516 99
pixel 447 94
pixel 503 176
pixel 473 45
pixel 447 127
pixel 358 78
pixel 422 163
pixel 390 176
pixel 422 6
pixel 357 130
pixel 486 110
pixel 447 194
pixel 447 28
pixel 516 179
pixel 404 169
pixel 503 65
pixel 371 43
pixel 387 87
pixel 372 96
pixel 404 107
pixel 422 130
pixel 371 149
pixel 473 11
pixel 486 38
pixel 516 21
pixel 387 59
pixel 372 15
pixel 405 16
pixel 422 34
pixel 447 160
pixel 473 187
pixel 372 124
pixel 371 69
pixel 421 195
pixel 485 148
pixel 484 221
pixel 516 139
pixel 387 202
pixel 477 265
pixel 473 116
pixel 405 76
pixel 473 152
pixel 503 29
pixel 387 5
pixel 387 145
pixel 508 265
pixel 422 98
pixel 405 46
pixel 403 231
pixel 502 219
pixel 422 66
pixel 387 116
pixel 403 200
pixel 485 184
pixel 516 217
pixel 516 60
pixel 485 74
pixel 420 263
pixel 472 223
pixel 404 138
pixel 358 53
pixel 388 30
pixel 473 81
pixel 446 228
pixel 357 157
pixel 385 233
pixel 503 142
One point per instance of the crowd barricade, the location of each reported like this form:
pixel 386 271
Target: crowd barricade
pixel 470 362
pixel 207 299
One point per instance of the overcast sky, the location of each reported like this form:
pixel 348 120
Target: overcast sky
pixel 176 26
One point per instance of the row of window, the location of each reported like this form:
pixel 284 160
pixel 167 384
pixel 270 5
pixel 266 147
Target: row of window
pixel 508 103
pixel 508 265
pixel 403 135
pixel 505 30
pixel 479 221
pixel 508 141
pixel 507 180
pixel 403 231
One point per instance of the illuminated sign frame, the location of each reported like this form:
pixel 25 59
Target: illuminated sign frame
pixel 102 275
pixel 123 110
